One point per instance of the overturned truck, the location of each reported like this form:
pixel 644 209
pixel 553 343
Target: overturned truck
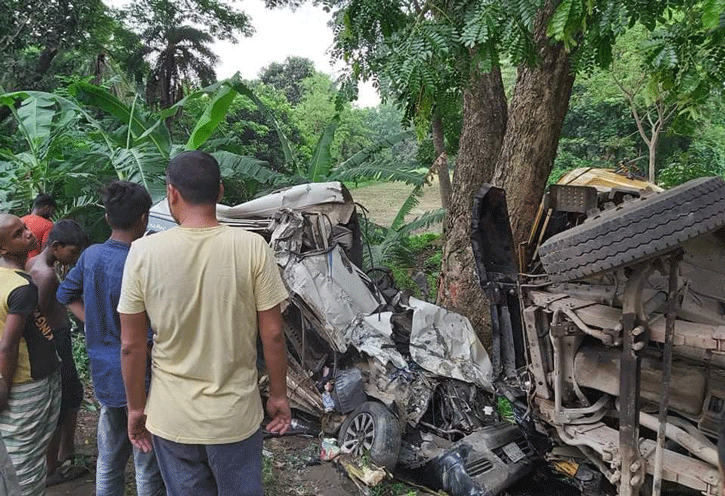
pixel 609 326
pixel 410 381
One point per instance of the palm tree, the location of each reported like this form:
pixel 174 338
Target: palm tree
pixel 180 54
pixel 177 38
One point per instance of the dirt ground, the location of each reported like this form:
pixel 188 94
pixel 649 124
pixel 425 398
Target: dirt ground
pixel 292 467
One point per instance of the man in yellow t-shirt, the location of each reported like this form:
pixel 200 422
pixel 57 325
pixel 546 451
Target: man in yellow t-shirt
pixel 207 290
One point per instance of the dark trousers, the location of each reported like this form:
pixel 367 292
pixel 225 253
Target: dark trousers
pixel 233 469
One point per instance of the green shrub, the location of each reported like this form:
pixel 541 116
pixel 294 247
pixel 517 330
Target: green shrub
pixel 80 357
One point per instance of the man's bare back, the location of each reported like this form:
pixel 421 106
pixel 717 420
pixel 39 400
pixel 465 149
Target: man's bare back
pixel 47 281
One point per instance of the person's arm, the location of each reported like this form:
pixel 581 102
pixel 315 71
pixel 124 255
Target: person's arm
pixel 22 302
pixel 78 309
pixel 47 283
pixel 44 241
pixel 133 368
pixel 9 345
pixel 70 291
pixel 275 357
pixel 3 395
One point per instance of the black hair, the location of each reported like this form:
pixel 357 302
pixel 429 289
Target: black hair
pixel 44 200
pixel 67 232
pixel 125 203
pixel 196 176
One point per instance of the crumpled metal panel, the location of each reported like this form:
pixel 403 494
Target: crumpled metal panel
pixel 445 343
pixel 301 197
pixel 334 289
pixel 372 334
pixel 405 391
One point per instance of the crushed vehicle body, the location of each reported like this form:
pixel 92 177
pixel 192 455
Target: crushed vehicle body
pixel 409 381
pixel 608 323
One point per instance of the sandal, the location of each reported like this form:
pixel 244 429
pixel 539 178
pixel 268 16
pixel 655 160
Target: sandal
pixel 65 472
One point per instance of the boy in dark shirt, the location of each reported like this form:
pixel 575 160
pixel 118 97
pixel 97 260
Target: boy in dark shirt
pixel 28 362
pixel 65 243
pixel 91 291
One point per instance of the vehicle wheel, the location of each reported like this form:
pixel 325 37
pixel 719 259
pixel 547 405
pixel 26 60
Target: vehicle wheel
pixel 636 230
pixel 372 429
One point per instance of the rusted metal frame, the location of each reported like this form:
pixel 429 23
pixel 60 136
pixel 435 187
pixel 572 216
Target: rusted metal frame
pixel 633 335
pixel 535 352
pixel 672 306
pixel 543 231
pixel 683 469
pixel 508 347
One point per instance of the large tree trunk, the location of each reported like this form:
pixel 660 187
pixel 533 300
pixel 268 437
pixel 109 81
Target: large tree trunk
pixel 444 180
pixel 540 101
pixel 484 125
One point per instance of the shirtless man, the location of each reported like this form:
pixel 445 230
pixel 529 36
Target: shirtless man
pixel 65 243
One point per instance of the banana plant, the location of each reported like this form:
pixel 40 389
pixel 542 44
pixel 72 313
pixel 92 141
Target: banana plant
pixel 49 132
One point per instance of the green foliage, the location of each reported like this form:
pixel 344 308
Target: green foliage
pixel 139 126
pixel 422 241
pixel 396 246
pixel 36 38
pixel 177 38
pixel 321 161
pixel 412 254
pixel 288 77
pixel 70 152
pixel 698 161
pixel 268 478
pixel 48 156
pixel 713 15
pixel 505 409
pixel 80 357
pixel 215 111
pixel 392 489
pixel 371 162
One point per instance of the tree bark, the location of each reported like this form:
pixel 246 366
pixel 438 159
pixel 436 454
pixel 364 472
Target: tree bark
pixel 652 161
pixel 484 125
pixel 540 101
pixel 444 180
pixel 43 64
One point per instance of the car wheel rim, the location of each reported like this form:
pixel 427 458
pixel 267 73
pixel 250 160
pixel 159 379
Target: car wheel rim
pixel 359 435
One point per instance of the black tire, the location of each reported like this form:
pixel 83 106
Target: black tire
pixel 372 429
pixel 636 230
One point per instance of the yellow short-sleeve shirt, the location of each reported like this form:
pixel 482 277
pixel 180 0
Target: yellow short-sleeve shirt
pixel 202 289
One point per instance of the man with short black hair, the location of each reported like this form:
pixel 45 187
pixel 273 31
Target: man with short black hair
pixel 65 243
pixel 38 221
pixel 208 291
pixel 28 362
pixel 91 291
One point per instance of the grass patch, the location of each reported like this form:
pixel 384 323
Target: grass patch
pixel 351 185
pixel 268 478
pixel 392 489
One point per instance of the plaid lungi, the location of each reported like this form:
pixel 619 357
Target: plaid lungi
pixel 27 425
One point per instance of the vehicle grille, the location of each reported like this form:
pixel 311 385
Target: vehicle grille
pixel 478 467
